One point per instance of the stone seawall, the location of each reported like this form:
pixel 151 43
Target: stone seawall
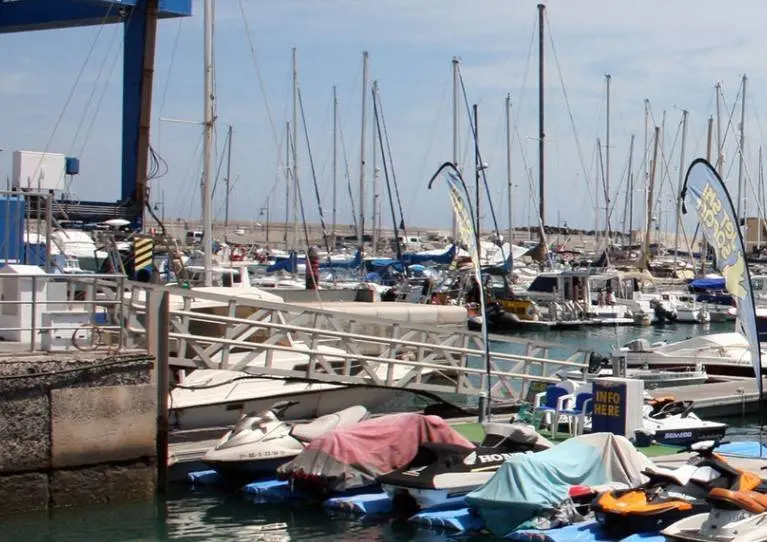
pixel 75 429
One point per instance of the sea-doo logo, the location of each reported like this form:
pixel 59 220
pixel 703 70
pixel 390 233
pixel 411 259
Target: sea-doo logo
pixel 490 458
pixel 682 434
pixel 414 472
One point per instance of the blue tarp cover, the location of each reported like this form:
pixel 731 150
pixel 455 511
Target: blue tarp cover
pixel 527 485
pixel 716 283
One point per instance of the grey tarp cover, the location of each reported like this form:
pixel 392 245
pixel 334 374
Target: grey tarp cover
pixel 529 484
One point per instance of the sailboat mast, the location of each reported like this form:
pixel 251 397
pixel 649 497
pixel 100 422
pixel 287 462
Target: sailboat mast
pixel 541 132
pixel 477 176
pixel 508 169
pixel 335 159
pixel 740 209
pixel 228 183
pixel 456 128
pixel 650 186
pixel 287 183
pixel 646 163
pixel 294 147
pixel 760 200
pixel 679 187
pixel 361 222
pixel 631 188
pixel 704 243
pixel 607 163
pixel 719 149
pixel 207 218
pixel 376 137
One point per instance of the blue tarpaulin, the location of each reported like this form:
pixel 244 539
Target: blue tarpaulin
pixel 714 283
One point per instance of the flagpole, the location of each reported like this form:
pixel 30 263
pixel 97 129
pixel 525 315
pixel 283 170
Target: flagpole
pixel 462 205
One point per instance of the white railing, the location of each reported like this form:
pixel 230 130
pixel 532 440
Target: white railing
pixel 207 330
pixel 83 312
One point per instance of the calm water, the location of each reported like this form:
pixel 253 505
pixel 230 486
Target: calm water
pixel 200 516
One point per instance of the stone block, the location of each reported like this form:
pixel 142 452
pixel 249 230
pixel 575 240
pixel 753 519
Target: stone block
pixel 131 483
pixel 23 493
pixel 103 484
pixel 25 442
pixel 101 425
pixel 78 487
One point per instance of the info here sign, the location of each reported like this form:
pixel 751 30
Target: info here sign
pixel 617 406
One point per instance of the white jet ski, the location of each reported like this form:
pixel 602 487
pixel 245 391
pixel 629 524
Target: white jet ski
pixel 261 442
pixel 735 516
pixel 673 422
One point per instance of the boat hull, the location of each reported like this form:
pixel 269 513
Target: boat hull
pixel 311 403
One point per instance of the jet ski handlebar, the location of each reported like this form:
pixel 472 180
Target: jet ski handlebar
pixel 280 407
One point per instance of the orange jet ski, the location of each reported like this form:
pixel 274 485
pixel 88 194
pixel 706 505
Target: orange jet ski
pixel 670 494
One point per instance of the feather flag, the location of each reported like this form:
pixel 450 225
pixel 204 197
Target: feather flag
pixel 463 220
pixel 720 226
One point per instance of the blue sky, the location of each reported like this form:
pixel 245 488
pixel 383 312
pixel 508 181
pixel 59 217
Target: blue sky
pixel 671 53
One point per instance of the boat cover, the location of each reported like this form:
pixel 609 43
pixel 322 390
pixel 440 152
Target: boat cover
pixel 527 485
pixel 353 456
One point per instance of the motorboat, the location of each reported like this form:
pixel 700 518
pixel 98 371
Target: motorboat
pixel 262 441
pixel 721 354
pixel 531 486
pixel 440 472
pixel 673 422
pixel 355 456
pixel 737 514
pixel 668 496
pixel 653 378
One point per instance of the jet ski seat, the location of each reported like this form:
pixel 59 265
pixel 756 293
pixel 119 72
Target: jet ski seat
pixel 519 433
pixel 751 501
pixel 307 432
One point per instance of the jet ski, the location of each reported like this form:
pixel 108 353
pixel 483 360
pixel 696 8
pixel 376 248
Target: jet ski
pixel 440 472
pixel 668 495
pixel 261 442
pixel 737 514
pixel 672 422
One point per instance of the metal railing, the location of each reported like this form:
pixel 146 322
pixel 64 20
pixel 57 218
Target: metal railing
pixel 317 343
pixel 28 297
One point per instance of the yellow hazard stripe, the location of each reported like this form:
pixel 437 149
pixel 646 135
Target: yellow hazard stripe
pixel 142 253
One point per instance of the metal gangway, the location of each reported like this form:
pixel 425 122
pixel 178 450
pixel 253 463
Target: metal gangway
pixel 239 333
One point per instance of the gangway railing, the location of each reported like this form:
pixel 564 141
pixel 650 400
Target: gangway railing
pixel 237 333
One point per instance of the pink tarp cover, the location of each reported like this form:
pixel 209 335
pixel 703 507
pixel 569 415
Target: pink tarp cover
pixel 356 454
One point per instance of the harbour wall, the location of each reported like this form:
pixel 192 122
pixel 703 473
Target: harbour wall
pixel 76 428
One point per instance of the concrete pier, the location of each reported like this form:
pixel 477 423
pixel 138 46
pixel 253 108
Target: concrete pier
pixel 76 428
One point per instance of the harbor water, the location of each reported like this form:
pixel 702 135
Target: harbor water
pixel 209 515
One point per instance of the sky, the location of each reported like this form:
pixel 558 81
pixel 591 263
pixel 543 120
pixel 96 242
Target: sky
pixel 61 92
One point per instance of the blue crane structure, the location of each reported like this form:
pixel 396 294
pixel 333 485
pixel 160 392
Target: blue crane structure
pixel 139 18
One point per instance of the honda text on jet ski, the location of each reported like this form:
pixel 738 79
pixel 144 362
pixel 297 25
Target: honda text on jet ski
pixel 440 472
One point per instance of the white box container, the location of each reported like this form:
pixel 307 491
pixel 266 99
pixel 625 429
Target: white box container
pixel 67 324
pixel 38 171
